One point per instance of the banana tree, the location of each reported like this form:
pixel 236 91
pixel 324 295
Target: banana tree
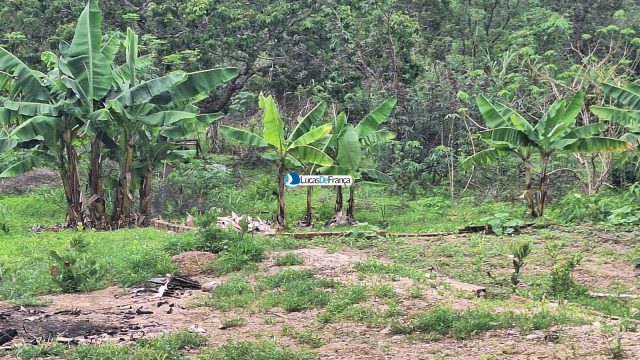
pixel 297 148
pixel 146 114
pixel 628 96
pixel 509 133
pixel 88 98
pixel 349 144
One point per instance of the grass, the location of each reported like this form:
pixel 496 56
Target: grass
pixel 443 321
pixel 308 337
pixel 125 257
pixel 288 259
pixel 170 347
pixel 255 351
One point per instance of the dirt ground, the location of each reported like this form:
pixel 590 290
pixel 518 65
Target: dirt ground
pixel 120 315
pixel 26 182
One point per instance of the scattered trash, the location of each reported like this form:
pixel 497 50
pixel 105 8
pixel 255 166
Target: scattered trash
pixel 254 226
pixel 170 283
pixel 197 329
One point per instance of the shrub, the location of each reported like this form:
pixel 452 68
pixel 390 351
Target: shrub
pixel 74 270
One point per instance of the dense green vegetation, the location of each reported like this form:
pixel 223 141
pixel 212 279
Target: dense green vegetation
pixel 492 144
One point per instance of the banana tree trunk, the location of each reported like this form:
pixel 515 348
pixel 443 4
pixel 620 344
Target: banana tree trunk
pixel 71 181
pixel 146 187
pixel 280 216
pixel 542 188
pixel 351 219
pixel 97 203
pixel 338 215
pixel 308 218
pixel 123 209
pixel 529 193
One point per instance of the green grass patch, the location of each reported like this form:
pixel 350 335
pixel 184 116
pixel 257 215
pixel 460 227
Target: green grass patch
pixel 255 351
pixel 304 337
pixel 288 259
pixel 388 270
pixel 443 321
pixel 169 347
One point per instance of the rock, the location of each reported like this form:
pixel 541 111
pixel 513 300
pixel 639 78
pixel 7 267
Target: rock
pixel 210 286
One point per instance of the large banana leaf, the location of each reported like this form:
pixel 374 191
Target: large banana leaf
pixel 378 176
pixel 37 159
pixel 623 117
pixel 587 131
pixel 372 121
pixel 349 150
pixel 30 108
pixel 196 84
pixel 312 136
pixel 378 137
pixel 508 135
pixel 166 118
pixel 242 136
pixel 628 95
pixel 306 123
pixel 564 120
pixel 273 127
pixel 311 155
pixel 493 115
pixel 142 93
pixel 209 119
pixel 88 65
pixel 111 46
pixel 131 53
pixel 598 144
pixel 77 90
pixel 483 157
pixel 7 144
pixel 35 127
pixel 26 83
pixel 553 110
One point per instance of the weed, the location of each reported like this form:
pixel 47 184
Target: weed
pixel 288 259
pixel 379 268
pixel 255 351
pixel 74 270
pixel 343 302
pixel 236 292
pixel 443 321
pixel 305 337
pixel 415 292
pixel 296 291
pixel 249 250
pixel 502 223
pixel 519 251
pixel 561 281
pixel 167 347
pixel 233 322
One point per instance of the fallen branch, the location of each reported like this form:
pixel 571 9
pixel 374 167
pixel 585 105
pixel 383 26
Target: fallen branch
pixel 619 296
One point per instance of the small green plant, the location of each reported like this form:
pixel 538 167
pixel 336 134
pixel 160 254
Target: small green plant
pixel 74 270
pixel 561 281
pixel 519 251
pixel 613 335
pixel 256 351
pixel 305 337
pixel 502 223
pixel 288 259
pixel 233 322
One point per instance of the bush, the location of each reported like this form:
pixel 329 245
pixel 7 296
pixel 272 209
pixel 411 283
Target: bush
pixel 74 270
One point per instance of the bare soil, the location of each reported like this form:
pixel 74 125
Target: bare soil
pixel 26 182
